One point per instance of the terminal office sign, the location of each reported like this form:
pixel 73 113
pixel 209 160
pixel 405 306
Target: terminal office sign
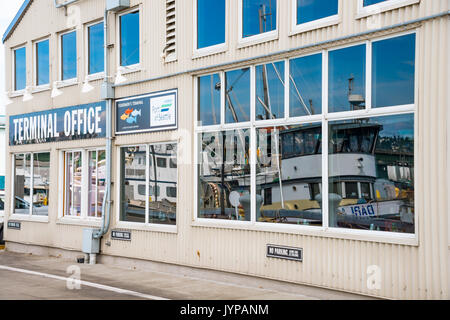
pixel 70 123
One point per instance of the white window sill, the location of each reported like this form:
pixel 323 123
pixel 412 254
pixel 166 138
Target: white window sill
pixel 257 39
pixel 337 233
pixel 208 51
pixel 17 93
pixel 95 76
pixel 78 221
pixel 28 218
pixel 146 227
pixel 130 69
pixel 67 83
pixel 382 7
pixel 317 24
pixel 41 88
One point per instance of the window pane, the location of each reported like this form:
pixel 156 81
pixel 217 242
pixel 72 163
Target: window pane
pixel 22 183
pixel 97 167
pixel 209 100
pixel 387 168
pixel 129 39
pixel 211 23
pixel 308 10
pixel 20 72
pixel 237 96
pixel 270 91
pixel 73 177
pixel 393 71
pixel 290 175
pixel 41 183
pixel 133 168
pixel 96 52
pixel 370 2
pixel 69 55
pixel 224 175
pixel 43 63
pixel 163 180
pixel 347 79
pixel 305 86
pixel 258 16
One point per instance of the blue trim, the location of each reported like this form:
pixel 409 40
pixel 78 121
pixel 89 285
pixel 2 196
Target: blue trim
pixel 16 19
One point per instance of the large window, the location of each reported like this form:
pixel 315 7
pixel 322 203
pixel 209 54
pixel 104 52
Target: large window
pixel 69 55
pixel 83 183
pixel 211 23
pixel 129 39
pixel 20 69
pixel 96 62
pixel 31 183
pixel 42 63
pixel 149 184
pixel 358 175
pixel 258 17
pixel 308 11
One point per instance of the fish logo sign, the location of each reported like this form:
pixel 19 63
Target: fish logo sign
pixel 130 115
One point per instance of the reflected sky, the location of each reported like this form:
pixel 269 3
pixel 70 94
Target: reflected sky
pixel 251 17
pixel 310 10
pixel 43 63
pixel 306 86
pixel 129 39
pixel 370 2
pixel 210 23
pixel 69 55
pixel 209 100
pixel 20 69
pixel 270 91
pixel 393 71
pixel 237 96
pixel 96 56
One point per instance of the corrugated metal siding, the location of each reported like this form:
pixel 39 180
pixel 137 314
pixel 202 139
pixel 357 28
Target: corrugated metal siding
pixel 408 272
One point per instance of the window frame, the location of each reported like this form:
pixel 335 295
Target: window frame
pixel 324 118
pixel 84 218
pixel 74 80
pixel 97 75
pixel 29 216
pixel 13 84
pixel 45 86
pixel 315 24
pixel 147 226
pixel 258 38
pixel 377 8
pixel 137 66
pixel 214 49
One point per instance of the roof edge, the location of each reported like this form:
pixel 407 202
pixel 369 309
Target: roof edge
pixel 16 19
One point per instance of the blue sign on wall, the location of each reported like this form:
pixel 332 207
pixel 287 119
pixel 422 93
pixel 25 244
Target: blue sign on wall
pixel 151 112
pixel 70 123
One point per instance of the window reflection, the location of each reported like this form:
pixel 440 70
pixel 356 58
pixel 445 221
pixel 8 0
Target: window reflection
pixel 22 183
pixel 69 55
pixel 305 85
pixel 41 183
pixel 393 67
pixel 133 160
pixel 289 175
pixel 347 79
pixel 96 52
pixel 237 96
pixel 308 10
pixel 370 2
pixel 372 188
pixel 270 91
pixel 129 39
pixel 20 69
pixel 210 23
pixel 97 178
pixel 42 63
pixel 258 16
pixel 224 175
pixel 73 185
pixel 209 100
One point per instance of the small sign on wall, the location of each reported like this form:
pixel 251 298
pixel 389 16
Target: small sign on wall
pixel 121 235
pixel 282 252
pixel 14 225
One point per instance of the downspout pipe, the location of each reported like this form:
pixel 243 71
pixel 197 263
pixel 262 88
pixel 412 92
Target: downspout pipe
pixel 109 96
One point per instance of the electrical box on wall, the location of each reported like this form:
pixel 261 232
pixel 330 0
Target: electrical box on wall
pixel 117 5
pixel 90 244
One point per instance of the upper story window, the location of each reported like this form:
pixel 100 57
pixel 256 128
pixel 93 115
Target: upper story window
pixel 20 69
pixel 96 62
pixel 371 2
pixel 308 10
pixel 368 7
pixel 69 55
pixel 42 63
pixel 129 39
pixel 210 23
pixel 258 19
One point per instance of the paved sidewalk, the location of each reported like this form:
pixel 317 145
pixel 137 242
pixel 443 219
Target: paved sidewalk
pixel 24 276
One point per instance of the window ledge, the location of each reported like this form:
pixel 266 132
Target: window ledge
pixel 28 218
pixel 208 51
pixel 41 88
pixel 67 83
pixel 146 227
pixel 337 233
pixel 17 93
pixel 382 7
pixel 257 39
pixel 95 76
pixel 317 24
pixel 80 222
pixel 130 69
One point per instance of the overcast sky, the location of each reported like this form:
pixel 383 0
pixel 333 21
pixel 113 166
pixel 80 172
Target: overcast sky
pixel 8 10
